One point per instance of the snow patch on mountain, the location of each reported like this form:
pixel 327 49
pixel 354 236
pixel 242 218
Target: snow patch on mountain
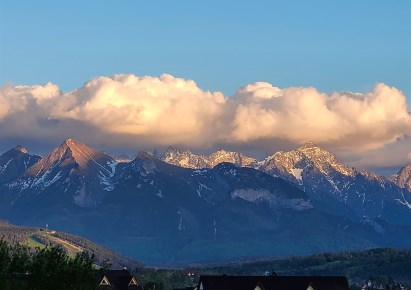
pixel 3 168
pixel 106 176
pixel 404 201
pixel 297 173
pixel 199 172
pixel 202 187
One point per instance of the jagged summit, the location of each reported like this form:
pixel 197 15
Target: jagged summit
pixel 72 143
pixel 403 177
pixel 21 148
pixel 123 158
pixel 14 162
pixel 151 151
pixel 15 151
pixel 145 154
pixel 172 148
pixel 185 158
pixel 85 174
pixel 308 145
pixel 310 149
pixel 236 158
pixel 71 153
pixel 173 151
pixel 307 155
pixel 321 158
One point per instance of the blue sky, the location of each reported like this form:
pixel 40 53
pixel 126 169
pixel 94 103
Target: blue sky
pixel 363 47
pixel 222 45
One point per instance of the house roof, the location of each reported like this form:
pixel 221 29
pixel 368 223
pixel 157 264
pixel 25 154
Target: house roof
pixel 224 282
pixel 119 280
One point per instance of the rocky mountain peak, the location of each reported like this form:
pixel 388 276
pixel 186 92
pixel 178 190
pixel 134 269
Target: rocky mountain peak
pixel 403 177
pixel 172 148
pixel 15 151
pixel 123 158
pixel 71 153
pixel 145 155
pixel 312 150
pixel 21 149
pixel 322 158
pixel 14 162
pixel 308 146
pixel 185 158
pixel 236 158
pixel 72 144
pixel 310 155
pixel 70 141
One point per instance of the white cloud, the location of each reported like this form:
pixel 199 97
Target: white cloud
pixel 349 121
pixel 168 109
pixel 150 111
pixel 18 99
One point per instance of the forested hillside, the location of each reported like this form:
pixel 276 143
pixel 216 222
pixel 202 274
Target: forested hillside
pixel 72 244
pixel 383 264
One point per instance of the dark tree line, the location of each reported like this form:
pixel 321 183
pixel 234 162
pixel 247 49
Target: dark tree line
pixel 43 269
pixel 383 265
pixel 16 234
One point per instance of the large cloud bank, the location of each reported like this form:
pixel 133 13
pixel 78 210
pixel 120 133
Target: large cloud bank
pixel 167 110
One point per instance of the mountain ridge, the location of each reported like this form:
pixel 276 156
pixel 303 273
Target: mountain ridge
pixel 165 213
pixel 14 162
pixel 403 177
pixel 82 171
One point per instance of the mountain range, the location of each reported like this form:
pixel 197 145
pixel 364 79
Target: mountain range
pixel 181 208
pixel 330 185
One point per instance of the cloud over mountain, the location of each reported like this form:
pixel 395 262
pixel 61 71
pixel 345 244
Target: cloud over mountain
pixel 165 109
pixel 351 121
pixel 168 110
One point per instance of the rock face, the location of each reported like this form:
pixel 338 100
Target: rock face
pixel 14 162
pixel 187 159
pixel 73 168
pixel 191 208
pixel 235 158
pixel 403 177
pixel 333 186
pixel 336 187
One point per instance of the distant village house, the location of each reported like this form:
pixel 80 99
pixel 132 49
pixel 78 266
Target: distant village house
pixel 118 280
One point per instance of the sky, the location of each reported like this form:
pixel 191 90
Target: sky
pixel 253 76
